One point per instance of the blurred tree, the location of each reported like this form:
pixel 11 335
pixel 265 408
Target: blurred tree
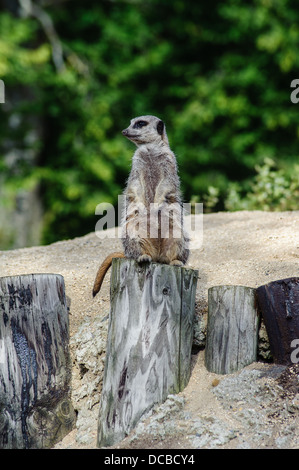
pixel 218 73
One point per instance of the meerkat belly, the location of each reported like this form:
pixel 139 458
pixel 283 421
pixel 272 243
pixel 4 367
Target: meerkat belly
pixel 161 214
pixel 151 180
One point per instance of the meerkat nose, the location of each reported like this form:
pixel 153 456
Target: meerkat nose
pixel 124 132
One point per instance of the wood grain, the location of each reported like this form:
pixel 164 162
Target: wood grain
pixel 232 329
pixel 149 342
pixel 35 373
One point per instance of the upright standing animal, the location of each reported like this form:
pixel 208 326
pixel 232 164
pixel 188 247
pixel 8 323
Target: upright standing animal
pixel 152 226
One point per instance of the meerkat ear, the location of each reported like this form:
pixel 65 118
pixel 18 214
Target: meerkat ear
pixel 160 127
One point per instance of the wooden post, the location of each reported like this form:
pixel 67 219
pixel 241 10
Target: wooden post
pixel 149 342
pixel 232 329
pixel 35 369
pixel 279 305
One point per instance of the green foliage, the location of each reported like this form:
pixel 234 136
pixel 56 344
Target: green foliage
pixel 218 73
pixel 272 189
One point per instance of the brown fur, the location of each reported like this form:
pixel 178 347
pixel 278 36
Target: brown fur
pixel 103 269
pixel 153 183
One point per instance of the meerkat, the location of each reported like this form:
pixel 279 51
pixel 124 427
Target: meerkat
pixel 152 222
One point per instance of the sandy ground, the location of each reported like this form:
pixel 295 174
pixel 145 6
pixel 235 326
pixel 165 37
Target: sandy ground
pixel 241 248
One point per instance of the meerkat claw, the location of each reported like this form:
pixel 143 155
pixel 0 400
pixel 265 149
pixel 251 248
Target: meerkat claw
pixel 144 259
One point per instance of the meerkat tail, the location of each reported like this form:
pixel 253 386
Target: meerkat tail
pixel 103 269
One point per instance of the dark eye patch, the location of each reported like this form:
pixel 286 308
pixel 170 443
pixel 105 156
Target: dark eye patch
pixel 140 124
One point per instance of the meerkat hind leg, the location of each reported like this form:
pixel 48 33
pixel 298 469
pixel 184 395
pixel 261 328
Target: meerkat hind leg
pixel 176 262
pixel 144 259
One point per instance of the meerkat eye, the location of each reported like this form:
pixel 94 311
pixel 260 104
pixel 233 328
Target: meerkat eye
pixel 140 124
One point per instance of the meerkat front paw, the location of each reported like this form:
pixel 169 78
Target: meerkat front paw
pixel 144 259
pixel 176 262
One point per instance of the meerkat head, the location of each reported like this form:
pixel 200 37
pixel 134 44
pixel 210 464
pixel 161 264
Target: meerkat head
pixel 146 130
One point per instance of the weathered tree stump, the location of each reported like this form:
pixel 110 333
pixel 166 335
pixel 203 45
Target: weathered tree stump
pixel 279 305
pixel 149 342
pixel 232 329
pixel 35 369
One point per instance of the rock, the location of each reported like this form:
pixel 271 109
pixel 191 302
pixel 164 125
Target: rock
pixel 256 399
pixel 88 348
pixel 211 433
pixel 169 419
pixel 200 324
pixel 264 351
